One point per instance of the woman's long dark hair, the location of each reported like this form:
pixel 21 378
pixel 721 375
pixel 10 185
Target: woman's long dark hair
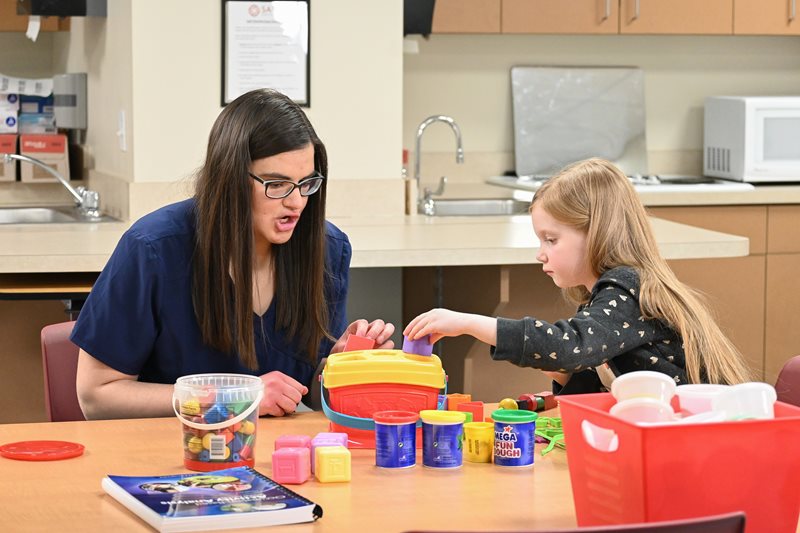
pixel 258 124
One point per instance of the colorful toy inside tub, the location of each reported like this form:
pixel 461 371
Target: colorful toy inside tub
pixel 361 383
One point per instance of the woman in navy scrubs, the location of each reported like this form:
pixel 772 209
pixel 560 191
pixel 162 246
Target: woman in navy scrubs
pixel 245 277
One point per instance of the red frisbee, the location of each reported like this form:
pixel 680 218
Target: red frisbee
pixel 41 450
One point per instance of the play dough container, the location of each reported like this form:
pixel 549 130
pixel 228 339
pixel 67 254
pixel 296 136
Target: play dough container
pixel 442 438
pixel 395 439
pixel 514 437
pixel 219 413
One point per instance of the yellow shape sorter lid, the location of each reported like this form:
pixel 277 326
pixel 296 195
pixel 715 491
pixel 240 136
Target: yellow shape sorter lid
pixel 383 366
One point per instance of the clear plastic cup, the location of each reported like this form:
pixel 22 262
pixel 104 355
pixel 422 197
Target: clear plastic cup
pixel 746 401
pixel 219 413
pixel 643 384
pixel 696 398
pixel 643 411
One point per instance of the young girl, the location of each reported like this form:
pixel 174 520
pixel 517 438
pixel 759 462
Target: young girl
pixel 633 313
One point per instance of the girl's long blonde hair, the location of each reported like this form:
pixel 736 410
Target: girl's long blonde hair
pixel 595 197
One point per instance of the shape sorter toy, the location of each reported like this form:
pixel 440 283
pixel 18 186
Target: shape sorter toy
pixel 360 384
pixel 355 343
pixel 455 399
pixel 421 346
pixel 291 465
pixel 333 464
pixel 473 408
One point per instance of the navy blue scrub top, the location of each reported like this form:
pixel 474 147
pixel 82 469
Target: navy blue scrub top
pixel 139 319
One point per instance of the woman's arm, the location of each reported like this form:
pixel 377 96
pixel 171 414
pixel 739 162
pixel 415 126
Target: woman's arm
pixel 107 393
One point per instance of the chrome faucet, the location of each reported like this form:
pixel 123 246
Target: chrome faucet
pixel 425 203
pixel 87 201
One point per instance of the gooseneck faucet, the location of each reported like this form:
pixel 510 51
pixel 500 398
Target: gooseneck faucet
pixel 87 201
pixel 425 197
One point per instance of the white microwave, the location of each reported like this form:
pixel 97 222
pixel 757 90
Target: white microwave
pixel 752 138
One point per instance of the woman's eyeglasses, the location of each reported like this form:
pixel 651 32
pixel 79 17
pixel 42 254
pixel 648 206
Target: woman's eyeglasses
pixel 277 189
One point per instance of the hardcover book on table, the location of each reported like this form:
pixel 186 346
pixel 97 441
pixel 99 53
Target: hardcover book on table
pixel 223 499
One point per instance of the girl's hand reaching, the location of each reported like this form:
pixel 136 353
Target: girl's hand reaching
pixel 440 323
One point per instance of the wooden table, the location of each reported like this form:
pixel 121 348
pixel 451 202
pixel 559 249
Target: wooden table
pixel 66 496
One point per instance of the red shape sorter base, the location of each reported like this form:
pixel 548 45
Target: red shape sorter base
pixel 365 400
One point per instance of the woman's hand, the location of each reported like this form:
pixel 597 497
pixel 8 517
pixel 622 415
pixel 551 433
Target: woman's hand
pixel 281 394
pixel 377 330
pixel 440 323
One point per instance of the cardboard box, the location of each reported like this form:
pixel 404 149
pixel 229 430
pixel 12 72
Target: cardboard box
pixel 8 121
pixel 8 145
pixel 49 149
pixel 9 101
pixel 36 123
pixel 35 104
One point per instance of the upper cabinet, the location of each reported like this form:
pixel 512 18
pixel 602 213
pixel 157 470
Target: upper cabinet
pixel 642 17
pixel 10 21
pixel 466 16
pixel 766 17
pixel 701 17
pixel 560 16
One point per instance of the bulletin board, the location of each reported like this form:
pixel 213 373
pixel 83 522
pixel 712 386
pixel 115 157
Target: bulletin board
pixel 266 45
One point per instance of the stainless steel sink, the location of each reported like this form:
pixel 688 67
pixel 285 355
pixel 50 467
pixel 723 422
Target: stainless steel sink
pixel 478 206
pixel 48 215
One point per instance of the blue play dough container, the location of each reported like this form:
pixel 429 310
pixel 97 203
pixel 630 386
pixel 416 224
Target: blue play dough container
pixel 442 438
pixel 514 437
pixel 395 439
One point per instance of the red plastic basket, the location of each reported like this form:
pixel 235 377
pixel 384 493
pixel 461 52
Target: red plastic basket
pixel 624 473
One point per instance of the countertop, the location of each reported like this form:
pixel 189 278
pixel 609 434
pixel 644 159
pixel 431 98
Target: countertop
pixel 397 241
pixel 392 241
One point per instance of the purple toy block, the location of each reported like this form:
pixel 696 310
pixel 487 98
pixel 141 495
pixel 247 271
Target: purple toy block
pixel 326 439
pixel 421 346
pixel 291 465
pixel 293 441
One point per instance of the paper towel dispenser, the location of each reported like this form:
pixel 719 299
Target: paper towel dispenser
pixel 69 100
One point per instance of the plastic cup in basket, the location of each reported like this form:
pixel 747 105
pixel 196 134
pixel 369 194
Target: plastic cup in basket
pixel 643 411
pixel 643 384
pixel 695 398
pixel 752 400
pixel 219 414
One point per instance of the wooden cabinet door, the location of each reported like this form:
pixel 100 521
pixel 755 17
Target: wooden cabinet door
pixel 466 16
pixel 709 17
pixel 10 21
pixel 766 17
pixel 782 319
pixel 560 16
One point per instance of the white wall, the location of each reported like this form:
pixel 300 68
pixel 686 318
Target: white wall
pixel 101 47
pixel 467 77
pixel 356 85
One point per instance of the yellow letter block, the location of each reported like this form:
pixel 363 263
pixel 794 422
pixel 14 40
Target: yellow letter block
pixel 332 463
